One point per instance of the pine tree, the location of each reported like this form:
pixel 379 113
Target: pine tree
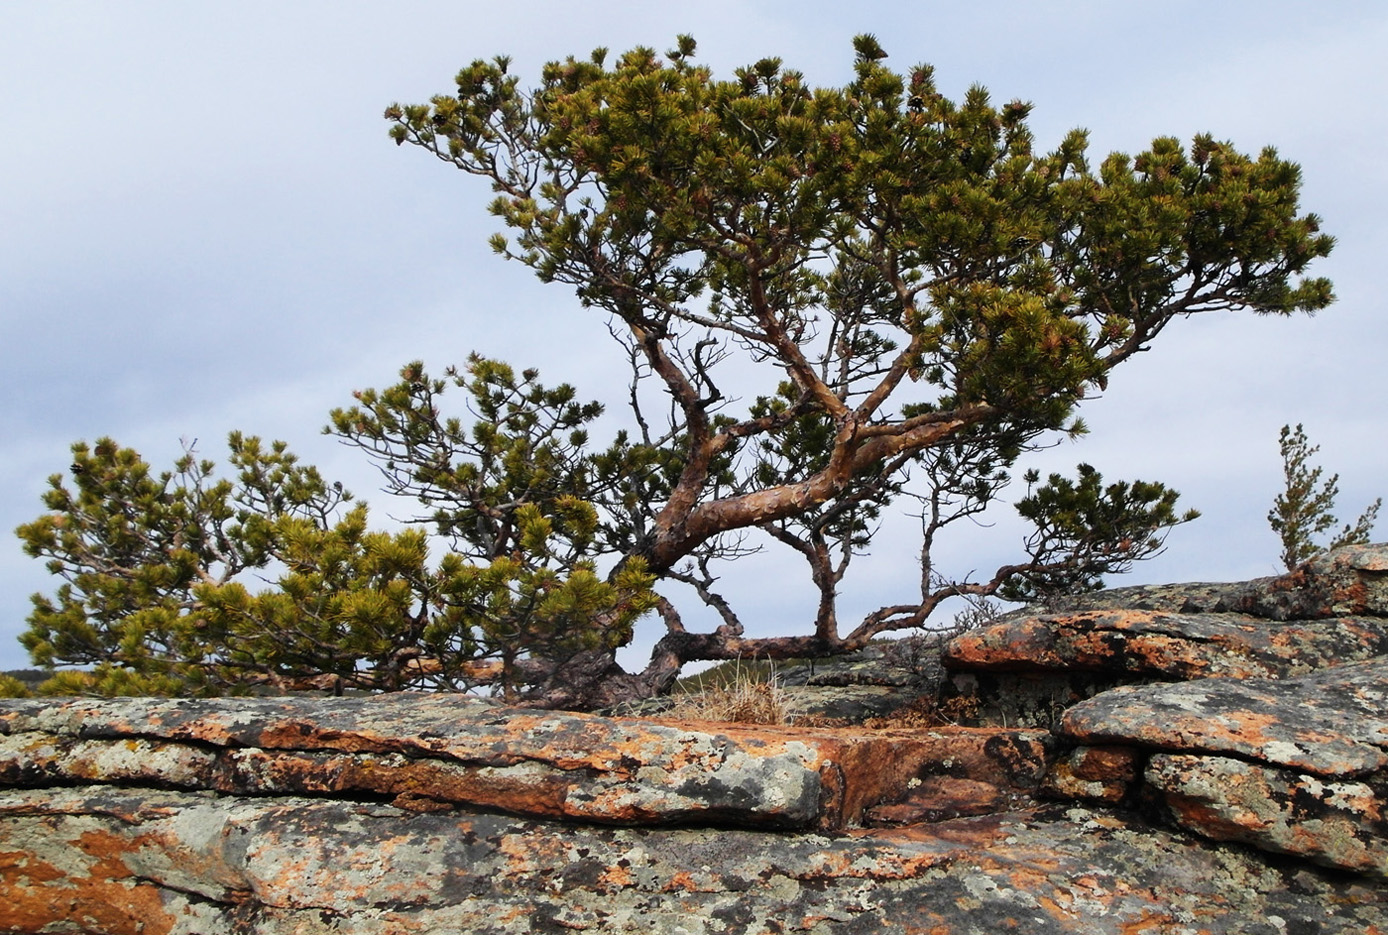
pixel 162 574
pixel 927 296
pixel 918 295
pixel 1303 511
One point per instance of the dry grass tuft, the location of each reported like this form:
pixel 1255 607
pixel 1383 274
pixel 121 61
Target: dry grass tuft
pixel 749 697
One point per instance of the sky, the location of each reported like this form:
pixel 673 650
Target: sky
pixel 204 227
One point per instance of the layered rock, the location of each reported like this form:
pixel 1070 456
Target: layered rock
pixel 1212 758
pixel 1331 723
pixel 429 752
pixel 1294 766
pixel 1350 581
pixel 1257 712
pixel 1027 669
pixel 1125 644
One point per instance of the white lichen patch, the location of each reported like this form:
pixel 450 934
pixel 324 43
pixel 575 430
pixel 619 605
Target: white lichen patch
pixel 135 759
pixel 1283 752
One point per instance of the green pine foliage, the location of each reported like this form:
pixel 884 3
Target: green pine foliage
pixel 11 687
pixel 1304 511
pixel 133 548
pixel 932 294
pixel 1085 530
pixel 162 592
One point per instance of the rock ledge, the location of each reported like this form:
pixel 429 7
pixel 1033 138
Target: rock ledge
pixel 1202 758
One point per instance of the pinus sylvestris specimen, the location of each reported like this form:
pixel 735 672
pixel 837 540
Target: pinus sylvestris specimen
pixel 1303 511
pixel 923 295
pixel 156 567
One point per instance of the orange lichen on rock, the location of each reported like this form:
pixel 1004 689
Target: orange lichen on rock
pixel 94 890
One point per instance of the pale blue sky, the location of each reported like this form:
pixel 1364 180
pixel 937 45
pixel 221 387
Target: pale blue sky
pixel 206 228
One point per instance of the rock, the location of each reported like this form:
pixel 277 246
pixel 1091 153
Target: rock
pixel 1349 581
pixel 905 663
pixel 1294 766
pixel 126 861
pixel 849 704
pixel 1256 733
pixel 940 798
pixel 1104 763
pixel 422 750
pixel 1332 611
pixel 1151 644
pixel 1336 824
pixel 1333 723
pixel 1104 774
pixel 879 680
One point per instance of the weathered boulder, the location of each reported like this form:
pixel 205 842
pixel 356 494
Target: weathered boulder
pixel 431 814
pixel 877 681
pixel 1349 581
pixel 1154 644
pixel 1259 713
pixel 1103 774
pixel 1027 667
pixel 1336 823
pixel 1331 723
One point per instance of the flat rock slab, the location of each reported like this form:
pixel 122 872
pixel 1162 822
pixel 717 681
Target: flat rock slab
pixel 1163 645
pixel 114 862
pixel 1333 723
pixel 433 751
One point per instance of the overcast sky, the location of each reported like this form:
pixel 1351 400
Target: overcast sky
pixel 205 227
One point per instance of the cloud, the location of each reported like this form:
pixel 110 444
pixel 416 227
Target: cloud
pixel 207 228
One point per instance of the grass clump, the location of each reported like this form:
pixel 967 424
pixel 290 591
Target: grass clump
pixel 740 692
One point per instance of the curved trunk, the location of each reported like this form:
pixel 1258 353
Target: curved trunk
pixel 684 524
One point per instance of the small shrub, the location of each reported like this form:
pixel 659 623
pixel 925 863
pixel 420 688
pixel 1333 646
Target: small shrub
pixel 11 687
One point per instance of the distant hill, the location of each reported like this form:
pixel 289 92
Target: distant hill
pixel 30 677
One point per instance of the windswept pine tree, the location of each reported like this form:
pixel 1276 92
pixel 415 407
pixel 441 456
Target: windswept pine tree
pixel 921 294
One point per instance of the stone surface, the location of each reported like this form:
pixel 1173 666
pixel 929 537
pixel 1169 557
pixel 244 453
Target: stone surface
pixel 1338 824
pixel 1028 667
pixel 1293 766
pixel 427 751
pixel 940 798
pixel 1104 774
pixel 893 664
pixel 1333 723
pixel 1106 763
pixel 1257 736
pixel 126 861
pixel 1156 644
pixel 1349 581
